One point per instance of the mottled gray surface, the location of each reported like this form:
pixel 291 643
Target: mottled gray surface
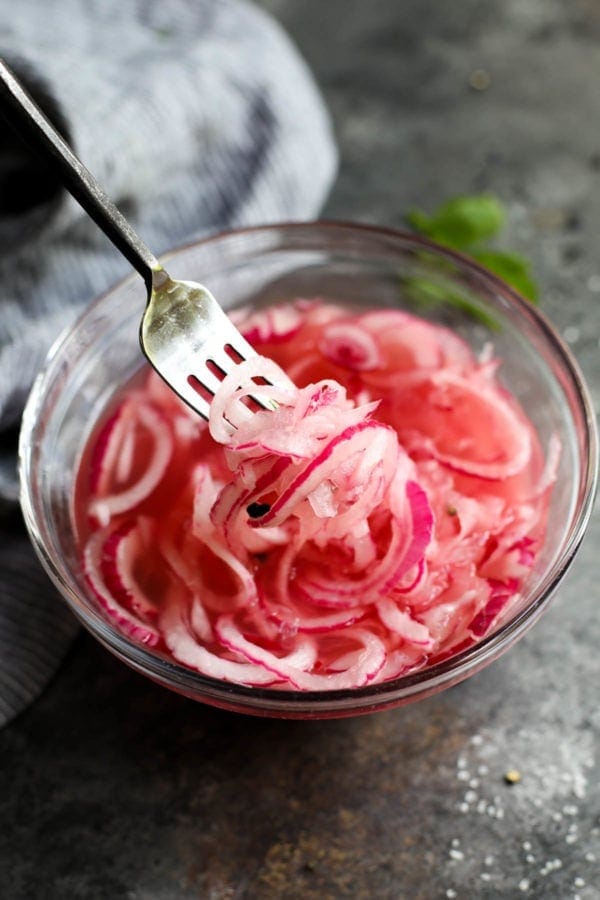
pixel 113 788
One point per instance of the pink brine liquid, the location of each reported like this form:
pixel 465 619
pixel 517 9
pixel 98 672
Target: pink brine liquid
pixel 382 518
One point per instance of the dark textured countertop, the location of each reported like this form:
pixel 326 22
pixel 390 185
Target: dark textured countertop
pixel 114 788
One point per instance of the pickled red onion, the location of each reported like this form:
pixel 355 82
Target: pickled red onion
pixel 107 504
pixel 127 620
pixel 350 535
pixel 350 346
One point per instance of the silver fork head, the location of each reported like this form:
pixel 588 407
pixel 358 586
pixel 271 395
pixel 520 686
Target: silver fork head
pixel 190 341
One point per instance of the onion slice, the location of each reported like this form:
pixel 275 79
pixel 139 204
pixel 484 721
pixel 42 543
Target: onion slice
pixel 112 504
pixel 351 534
pixel 128 621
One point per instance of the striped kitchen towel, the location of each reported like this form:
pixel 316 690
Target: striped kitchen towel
pixel 195 116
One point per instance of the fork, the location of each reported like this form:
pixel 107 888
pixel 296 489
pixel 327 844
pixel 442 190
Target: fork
pixel 184 333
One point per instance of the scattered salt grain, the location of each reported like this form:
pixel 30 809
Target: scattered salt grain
pixel 456 854
pixel 579 882
pixel 594 284
pixel 451 893
pixel 572 836
pixel 477 740
pixel 524 884
pixel 485 876
pixel 551 866
pixel 526 845
pixel 579 785
pixel 571 334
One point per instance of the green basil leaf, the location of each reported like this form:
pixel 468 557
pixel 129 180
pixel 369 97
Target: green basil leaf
pixel 461 222
pixel 512 268
pixel 424 293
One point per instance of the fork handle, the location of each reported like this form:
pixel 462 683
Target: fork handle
pixel 27 119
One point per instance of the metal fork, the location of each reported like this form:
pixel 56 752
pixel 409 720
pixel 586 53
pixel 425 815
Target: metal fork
pixel 184 333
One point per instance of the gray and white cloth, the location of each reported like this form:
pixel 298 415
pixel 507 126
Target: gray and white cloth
pixel 195 116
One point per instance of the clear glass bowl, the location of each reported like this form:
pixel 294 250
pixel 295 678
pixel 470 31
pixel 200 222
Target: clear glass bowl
pixel 364 266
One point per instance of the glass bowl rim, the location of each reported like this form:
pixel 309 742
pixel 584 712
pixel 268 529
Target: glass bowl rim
pixel 267 700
